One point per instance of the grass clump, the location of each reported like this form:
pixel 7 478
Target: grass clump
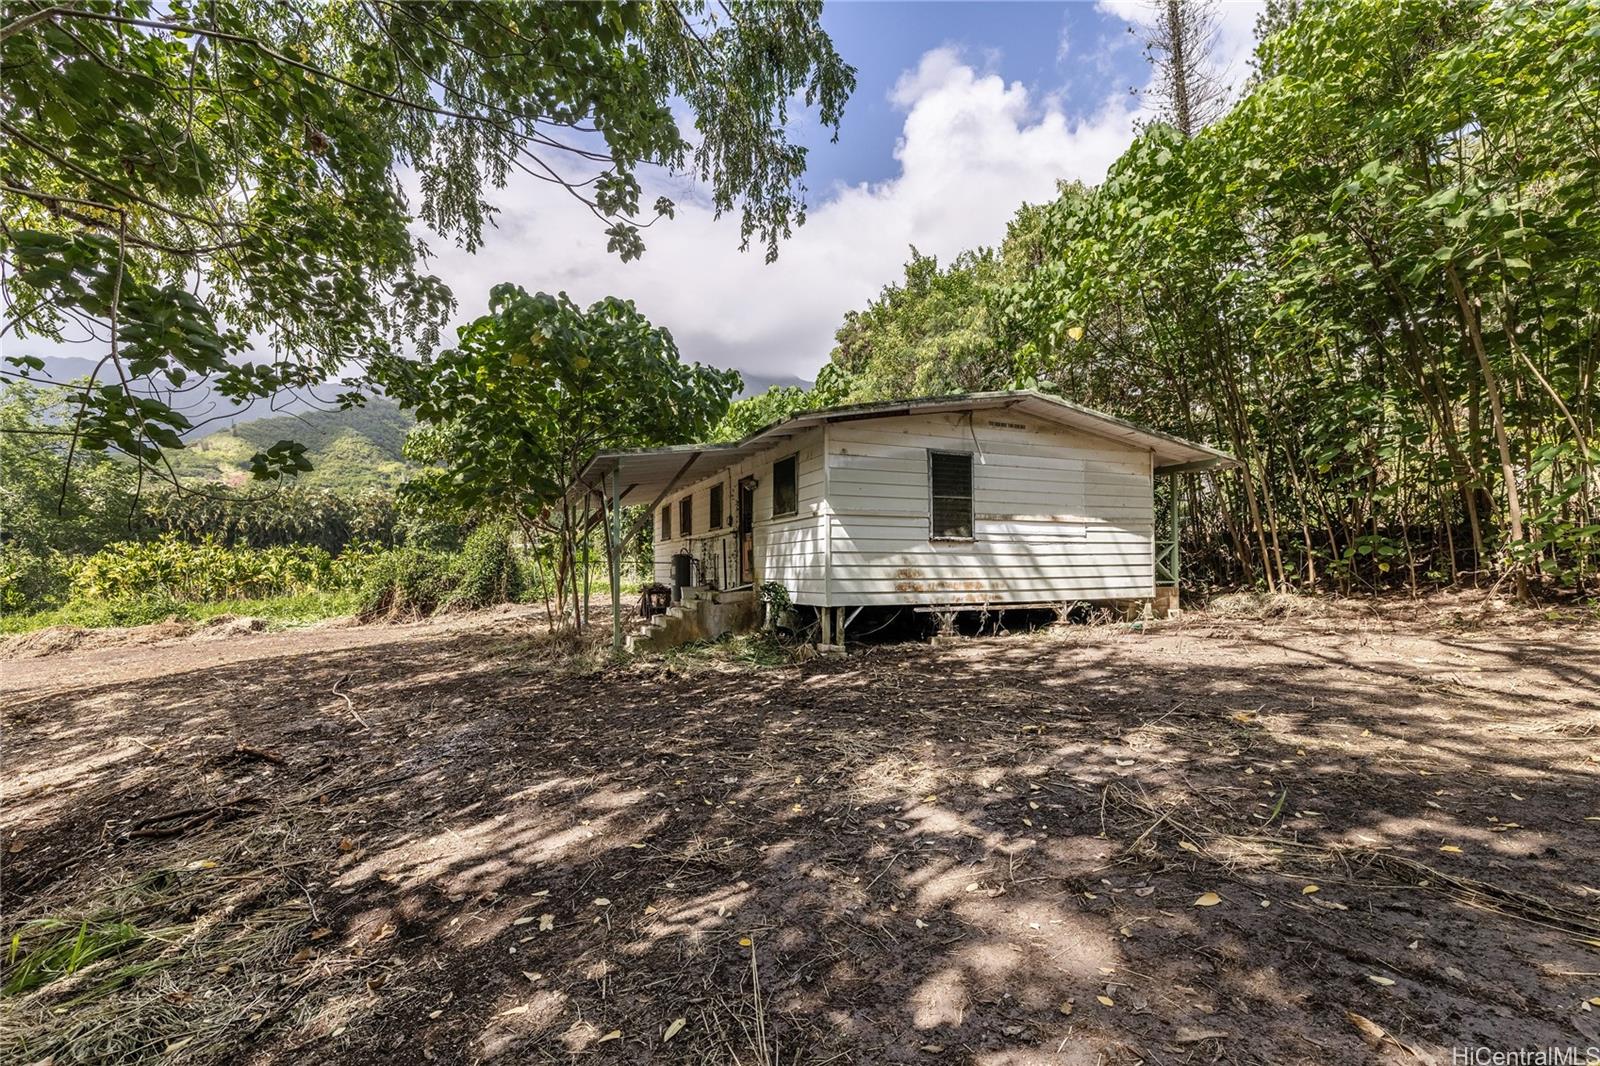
pixel 64 950
pixel 743 649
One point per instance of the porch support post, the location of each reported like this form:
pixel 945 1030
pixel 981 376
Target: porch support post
pixel 614 553
pixel 1177 514
pixel 587 530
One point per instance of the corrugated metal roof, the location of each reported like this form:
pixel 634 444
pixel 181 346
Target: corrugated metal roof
pixel 648 473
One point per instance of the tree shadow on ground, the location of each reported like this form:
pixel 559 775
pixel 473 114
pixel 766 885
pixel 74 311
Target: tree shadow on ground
pixel 989 854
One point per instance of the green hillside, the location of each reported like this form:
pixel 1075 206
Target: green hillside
pixel 349 450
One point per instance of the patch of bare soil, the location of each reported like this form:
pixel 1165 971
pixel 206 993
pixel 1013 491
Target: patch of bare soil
pixel 1339 839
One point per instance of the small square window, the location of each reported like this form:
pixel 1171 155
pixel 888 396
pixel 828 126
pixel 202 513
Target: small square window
pixel 666 522
pixel 686 516
pixel 715 520
pixel 950 511
pixel 785 488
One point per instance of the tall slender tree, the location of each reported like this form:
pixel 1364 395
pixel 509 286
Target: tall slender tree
pixel 1180 42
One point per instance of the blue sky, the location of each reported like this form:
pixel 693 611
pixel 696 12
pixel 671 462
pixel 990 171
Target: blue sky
pixel 1075 51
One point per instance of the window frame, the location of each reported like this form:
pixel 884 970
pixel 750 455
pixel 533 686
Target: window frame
pixel 795 510
pixel 686 516
pixel 972 490
pixel 717 503
pixel 666 522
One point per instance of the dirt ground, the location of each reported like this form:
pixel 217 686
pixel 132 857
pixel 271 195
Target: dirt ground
pixel 1338 836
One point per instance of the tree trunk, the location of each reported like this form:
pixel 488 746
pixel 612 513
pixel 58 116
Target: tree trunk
pixel 1491 385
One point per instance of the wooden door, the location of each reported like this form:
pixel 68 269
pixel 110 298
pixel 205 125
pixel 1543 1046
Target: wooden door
pixel 747 536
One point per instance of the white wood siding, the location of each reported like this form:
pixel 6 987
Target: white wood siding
pixel 789 550
pixel 1057 514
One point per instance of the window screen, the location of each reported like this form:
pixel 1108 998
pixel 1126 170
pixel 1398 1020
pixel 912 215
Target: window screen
pixel 785 492
pixel 666 522
pixel 951 511
pixel 715 521
pixel 686 516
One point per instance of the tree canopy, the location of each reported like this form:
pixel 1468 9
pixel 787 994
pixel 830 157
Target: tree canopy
pixel 531 391
pixel 238 191
pixel 1374 281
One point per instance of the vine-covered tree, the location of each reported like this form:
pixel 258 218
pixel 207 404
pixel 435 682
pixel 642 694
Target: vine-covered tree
pixel 531 391
pixel 229 191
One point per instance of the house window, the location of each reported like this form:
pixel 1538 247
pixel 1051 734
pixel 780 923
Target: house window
pixel 686 516
pixel 785 489
pixel 715 521
pixel 666 522
pixel 950 476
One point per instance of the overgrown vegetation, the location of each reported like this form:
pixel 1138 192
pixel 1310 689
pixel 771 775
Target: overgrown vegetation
pixel 1373 281
pixel 489 569
pixel 260 154
pixel 512 415
pixel 407 582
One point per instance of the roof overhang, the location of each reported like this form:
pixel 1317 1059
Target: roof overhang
pixel 648 474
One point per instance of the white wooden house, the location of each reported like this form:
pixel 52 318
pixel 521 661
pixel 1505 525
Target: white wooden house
pixel 985 500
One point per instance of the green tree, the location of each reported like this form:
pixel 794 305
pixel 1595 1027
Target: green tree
pixel 531 391
pixel 42 517
pixel 178 177
pixel 1374 280
pixel 745 416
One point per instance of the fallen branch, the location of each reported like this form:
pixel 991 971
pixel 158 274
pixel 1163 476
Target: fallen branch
pixel 245 751
pixel 349 703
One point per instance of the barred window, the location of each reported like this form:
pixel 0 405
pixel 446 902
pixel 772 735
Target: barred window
pixel 950 475
pixel 715 521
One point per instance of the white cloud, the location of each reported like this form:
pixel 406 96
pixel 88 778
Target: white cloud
pixel 971 150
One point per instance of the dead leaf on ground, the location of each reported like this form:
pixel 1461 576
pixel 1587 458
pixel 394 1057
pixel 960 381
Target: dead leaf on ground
pixel 1208 899
pixel 1190 1035
pixel 1372 1034
pixel 673 1029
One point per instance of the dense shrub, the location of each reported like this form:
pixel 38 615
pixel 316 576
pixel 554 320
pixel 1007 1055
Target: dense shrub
pixel 199 572
pixel 488 572
pixel 31 580
pixel 294 515
pixel 405 582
